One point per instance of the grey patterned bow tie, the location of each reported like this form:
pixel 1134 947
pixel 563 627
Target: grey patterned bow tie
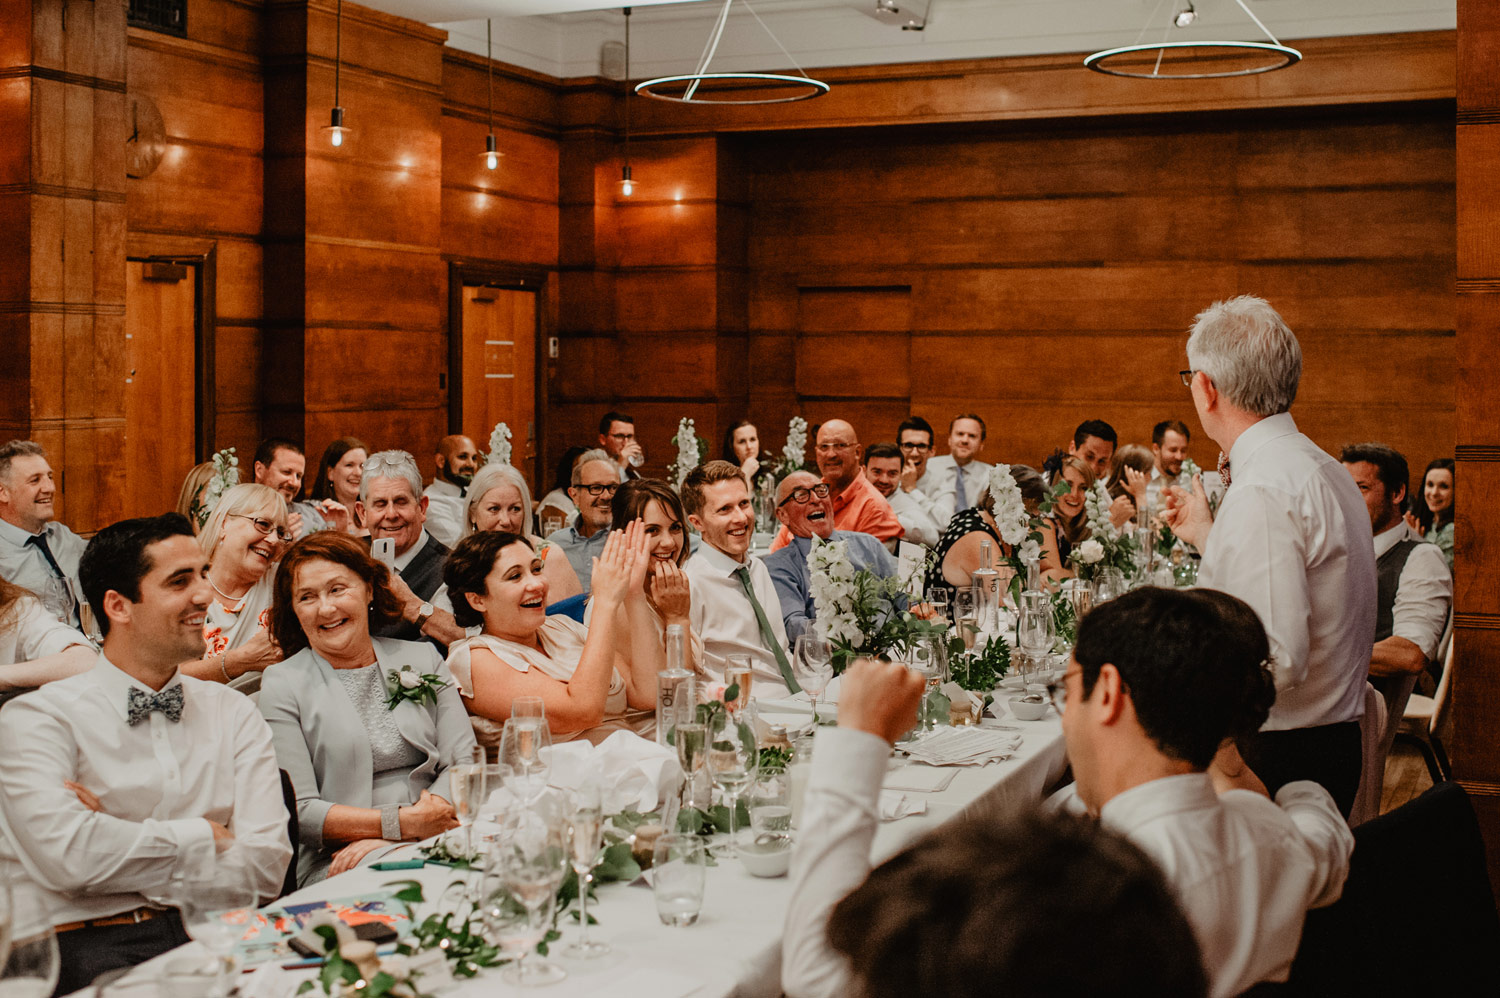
pixel 141 704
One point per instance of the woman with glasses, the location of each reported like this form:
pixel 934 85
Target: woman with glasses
pixel 243 540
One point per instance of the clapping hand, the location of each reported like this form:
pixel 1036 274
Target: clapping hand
pixel 1188 513
pixel 670 594
pixel 1135 484
pixel 616 567
pixel 881 698
pixel 1121 511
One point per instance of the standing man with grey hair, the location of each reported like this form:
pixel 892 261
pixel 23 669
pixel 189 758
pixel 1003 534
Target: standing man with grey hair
pixel 1291 538
pixel 37 552
pixel 392 506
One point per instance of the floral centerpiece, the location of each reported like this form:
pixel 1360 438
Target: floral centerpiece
pixel 226 475
pixel 860 613
pixel 691 451
pixel 794 452
pixel 499 445
pixel 1019 529
pixel 1106 547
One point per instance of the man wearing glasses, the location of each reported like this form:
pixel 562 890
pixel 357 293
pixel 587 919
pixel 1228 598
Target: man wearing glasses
pixel 596 476
pixel 856 504
pixel 1291 538
pixel 617 438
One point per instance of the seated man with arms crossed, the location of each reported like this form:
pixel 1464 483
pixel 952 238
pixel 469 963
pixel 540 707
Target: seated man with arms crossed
pixel 804 507
pixel 1159 680
pixel 122 779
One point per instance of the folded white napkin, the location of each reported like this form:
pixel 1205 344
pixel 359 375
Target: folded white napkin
pixel 964 746
pixel 633 773
pixel 922 779
pixel 894 804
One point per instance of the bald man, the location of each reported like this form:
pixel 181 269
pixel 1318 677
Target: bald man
pixel 856 504
pixel 457 459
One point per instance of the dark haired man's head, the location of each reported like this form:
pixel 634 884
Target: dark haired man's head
pixel 457 459
pixel 280 464
pixel 1010 906
pixel 883 465
pixel 147 583
pixel 1382 476
pixel 1169 444
pixel 915 438
pixel 1094 441
pixel 966 435
pixel 616 432
pixel 1159 679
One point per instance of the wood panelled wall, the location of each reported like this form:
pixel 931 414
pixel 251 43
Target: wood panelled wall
pixel 1053 272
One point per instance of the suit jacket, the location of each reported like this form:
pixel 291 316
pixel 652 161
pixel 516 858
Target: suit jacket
pixel 793 579
pixel 322 743
pixel 424 575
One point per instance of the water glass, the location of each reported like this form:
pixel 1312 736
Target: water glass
pixel 522 874
pixel 771 806
pixel 215 914
pixel 679 869
pixel 31 966
pixel 1035 629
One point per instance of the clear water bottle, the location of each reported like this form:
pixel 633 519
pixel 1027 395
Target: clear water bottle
pixel 675 687
pixel 987 589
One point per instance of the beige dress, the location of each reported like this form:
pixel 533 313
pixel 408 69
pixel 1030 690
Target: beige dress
pixel 561 639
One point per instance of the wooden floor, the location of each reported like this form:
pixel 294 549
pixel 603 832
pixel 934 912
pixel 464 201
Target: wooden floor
pixel 1405 777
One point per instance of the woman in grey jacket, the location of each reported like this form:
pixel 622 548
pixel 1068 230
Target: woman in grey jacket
pixel 368 754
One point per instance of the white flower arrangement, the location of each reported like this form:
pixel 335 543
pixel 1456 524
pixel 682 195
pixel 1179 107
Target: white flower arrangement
pixel 1105 547
pixel 499 445
pixel 1090 552
pixel 1008 506
pixel 687 449
pixel 1096 503
pixel 226 476
pixel 831 579
pixel 794 454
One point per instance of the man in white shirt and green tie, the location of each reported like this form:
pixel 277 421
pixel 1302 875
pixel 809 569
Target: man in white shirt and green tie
pixel 735 607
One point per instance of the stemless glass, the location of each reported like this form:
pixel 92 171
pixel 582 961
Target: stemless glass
pixel 1035 629
pixel 678 871
pixel 771 807
pixel 522 874
pixel 523 747
pixel 585 839
pixel 732 758
pixel 927 658
pixel 812 665
pixel 31 966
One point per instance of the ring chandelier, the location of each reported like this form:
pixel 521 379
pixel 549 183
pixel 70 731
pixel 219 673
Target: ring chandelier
pixel 1279 56
pixel 684 88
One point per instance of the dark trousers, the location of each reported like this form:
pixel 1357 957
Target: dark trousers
pixel 87 953
pixel 1329 754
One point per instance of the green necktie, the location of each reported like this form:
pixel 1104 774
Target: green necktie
pixel 766 634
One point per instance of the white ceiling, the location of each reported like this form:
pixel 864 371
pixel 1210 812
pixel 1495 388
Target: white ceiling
pixel 563 38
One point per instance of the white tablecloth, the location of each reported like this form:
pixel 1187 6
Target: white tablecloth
pixel 735 947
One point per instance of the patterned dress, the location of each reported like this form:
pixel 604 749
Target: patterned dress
pixel 963 523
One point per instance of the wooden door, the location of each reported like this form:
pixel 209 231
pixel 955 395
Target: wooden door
pixel 499 370
pixel 161 367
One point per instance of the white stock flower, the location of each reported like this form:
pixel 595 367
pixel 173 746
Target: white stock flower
pixel 795 451
pixel 499 445
pixel 409 680
pixel 1030 551
pixel 1009 507
pixel 687 449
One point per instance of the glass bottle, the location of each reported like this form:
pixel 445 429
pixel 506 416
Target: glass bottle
pixel 674 684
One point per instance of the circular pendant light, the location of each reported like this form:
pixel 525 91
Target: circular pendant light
pixel 1269 55
pixel 731 88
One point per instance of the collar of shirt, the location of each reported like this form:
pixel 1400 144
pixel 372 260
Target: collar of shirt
pixel 115 682
pixel 1148 802
pixel 854 490
pixel 443 487
pixel 719 561
pixel 17 536
pixel 1387 539
pixel 1256 437
pixel 402 560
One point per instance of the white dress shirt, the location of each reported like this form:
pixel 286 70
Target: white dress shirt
pixel 156 781
pixel 1245 869
pixel 24 564
pixel 1425 593
pixel 32 633
pixel 940 484
pixel 918 523
pixel 1292 540
pixel 723 617
pixel 445 512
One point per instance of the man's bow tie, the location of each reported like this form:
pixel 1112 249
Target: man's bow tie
pixel 141 704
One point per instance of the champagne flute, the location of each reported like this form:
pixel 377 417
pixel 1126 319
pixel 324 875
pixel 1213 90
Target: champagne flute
pixel 966 615
pixel 466 777
pixel 739 673
pixel 692 752
pixel 585 839
pixel 732 764
pixel 31 966
pixel 524 746
pixel 812 665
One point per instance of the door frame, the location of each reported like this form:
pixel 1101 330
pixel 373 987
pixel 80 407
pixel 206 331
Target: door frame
pixel 505 278
pixel 205 406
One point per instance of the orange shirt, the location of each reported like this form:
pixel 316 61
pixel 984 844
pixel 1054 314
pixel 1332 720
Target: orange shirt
pixel 859 507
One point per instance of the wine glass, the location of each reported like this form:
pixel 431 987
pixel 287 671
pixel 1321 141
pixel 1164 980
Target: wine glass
pixel 732 758
pixel 1035 628
pixel 215 913
pixel 523 747
pixel 812 665
pixel 522 875
pixel 31 964
pixel 585 839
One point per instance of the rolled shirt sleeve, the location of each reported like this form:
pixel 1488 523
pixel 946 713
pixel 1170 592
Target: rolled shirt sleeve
pixel 1424 597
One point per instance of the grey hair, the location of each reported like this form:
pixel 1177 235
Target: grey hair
pixel 18 448
pixel 1250 354
pixel 597 454
pixel 492 476
pixel 391 464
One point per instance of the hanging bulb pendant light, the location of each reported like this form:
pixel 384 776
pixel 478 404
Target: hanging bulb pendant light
pixel 491 154
pixel 627 184
pixel 335 127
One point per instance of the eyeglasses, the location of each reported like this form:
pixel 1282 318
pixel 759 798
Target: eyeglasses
pixel 802 495
pixel 1187 376
pixel 265 526
pixel 1056 695
pixel 622 437
pixel 595 490
pixel 909 445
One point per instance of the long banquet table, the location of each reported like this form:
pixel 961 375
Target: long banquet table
pixel 735 947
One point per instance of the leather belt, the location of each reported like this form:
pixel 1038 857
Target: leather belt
pixel 142 914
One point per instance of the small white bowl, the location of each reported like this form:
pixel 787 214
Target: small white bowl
pixel 764 858
pixel 1027 710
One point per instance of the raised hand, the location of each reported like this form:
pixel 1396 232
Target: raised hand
pixel 880 697
pixel 670 593
pixel 1188 513
pixel 336 513
pixel 1121 511
pixel 638 549
pixel 1135 484
pixel 909 476
pixel 612 570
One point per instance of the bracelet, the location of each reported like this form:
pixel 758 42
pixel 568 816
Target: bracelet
pixel 224 665
pixel 390 822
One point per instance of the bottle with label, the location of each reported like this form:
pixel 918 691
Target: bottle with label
pixel 675 687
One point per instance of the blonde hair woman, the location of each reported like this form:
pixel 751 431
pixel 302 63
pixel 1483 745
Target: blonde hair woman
pixel 192 491
pixel 243 541
pixel 35 647
pixel 499 500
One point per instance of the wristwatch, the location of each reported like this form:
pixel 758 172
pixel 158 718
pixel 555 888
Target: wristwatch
pixel 424 612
